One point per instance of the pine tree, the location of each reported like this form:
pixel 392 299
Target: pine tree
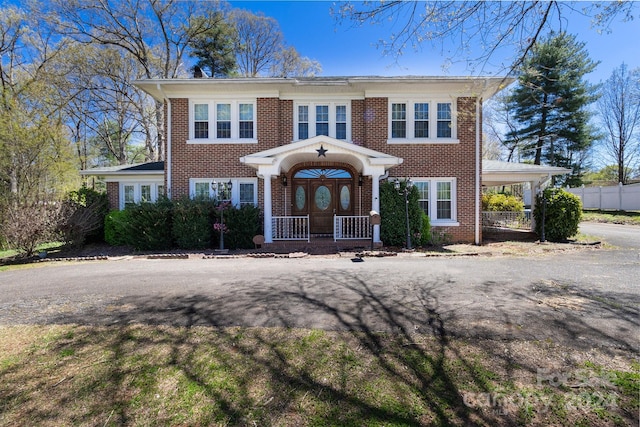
pixel 215 47
pixel 550 104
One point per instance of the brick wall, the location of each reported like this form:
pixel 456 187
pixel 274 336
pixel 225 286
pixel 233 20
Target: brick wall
pixel 113 195
pixel 369 127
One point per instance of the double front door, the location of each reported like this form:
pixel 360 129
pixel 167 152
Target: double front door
pixel 321 199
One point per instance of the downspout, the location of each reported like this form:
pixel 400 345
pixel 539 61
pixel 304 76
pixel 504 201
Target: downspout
pixel 168 139
pixel 478 165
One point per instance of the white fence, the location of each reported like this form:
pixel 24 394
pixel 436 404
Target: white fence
pixel 290 227
pixel 351 227
pixel 619 197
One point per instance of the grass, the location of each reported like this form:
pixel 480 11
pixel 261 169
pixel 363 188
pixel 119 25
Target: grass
pixel 612 217
pixel 156 375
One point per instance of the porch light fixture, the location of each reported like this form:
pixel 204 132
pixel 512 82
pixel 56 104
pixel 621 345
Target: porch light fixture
pixel 406 190
pixel 360 180
pixel 284 180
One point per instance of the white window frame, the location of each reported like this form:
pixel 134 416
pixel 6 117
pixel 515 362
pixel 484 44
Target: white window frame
pixel 213 128
pixel 312 118
pixel 235 188
pixel 137 191
pixel 433 121
pixel 433 200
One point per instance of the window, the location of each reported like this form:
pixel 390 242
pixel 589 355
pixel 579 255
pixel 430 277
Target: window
pixel 201 121
pixel 423 195
pixel 303 121
pixel 441 206
pixel 244 191
pixel 444 200
pixel 341 122
pixel 322 120
pixel 444 120
pixel 398 120
pixel 330 119
pixel 225 122
pixel 139 192
pixel 246 121
pixel 421 122
pixel 247 194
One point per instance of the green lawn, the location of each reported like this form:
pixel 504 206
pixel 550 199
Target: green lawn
pixel 146 375
pixel 613 217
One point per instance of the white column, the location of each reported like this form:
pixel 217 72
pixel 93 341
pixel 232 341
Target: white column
pixel 268 231
pixel 375 203
pixel 535 188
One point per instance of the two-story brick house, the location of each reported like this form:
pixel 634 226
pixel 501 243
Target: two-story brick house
pixel 311 152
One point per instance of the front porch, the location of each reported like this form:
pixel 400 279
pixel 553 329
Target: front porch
pixel 298 228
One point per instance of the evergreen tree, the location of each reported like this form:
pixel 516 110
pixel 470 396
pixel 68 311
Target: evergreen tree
pixel 215 47
pixel 550 104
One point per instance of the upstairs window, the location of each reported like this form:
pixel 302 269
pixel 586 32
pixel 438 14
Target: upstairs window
pixel 327 118
pixel 420 121
pixel 225 122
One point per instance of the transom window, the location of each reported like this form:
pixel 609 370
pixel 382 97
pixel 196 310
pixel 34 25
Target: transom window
pixel 330 119
pixel 411 122
pixel 222 122
pixel 322 173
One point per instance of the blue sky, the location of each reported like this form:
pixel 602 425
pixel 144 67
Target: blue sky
pixel 344 50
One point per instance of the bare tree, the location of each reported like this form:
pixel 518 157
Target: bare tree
pixel 259 41
pixel 478 29
pixel 619 108
pixel 289 63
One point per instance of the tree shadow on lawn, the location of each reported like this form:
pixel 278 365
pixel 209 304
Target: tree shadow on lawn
pixel 384 356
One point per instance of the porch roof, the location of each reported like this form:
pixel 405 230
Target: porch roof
pixel 320 148
pixel 496 173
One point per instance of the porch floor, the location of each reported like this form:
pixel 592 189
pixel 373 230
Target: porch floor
pixel 318 245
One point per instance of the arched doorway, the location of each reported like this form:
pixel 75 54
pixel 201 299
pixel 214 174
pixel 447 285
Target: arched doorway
pixel 322 193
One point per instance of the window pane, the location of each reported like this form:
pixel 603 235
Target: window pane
pixel 398 129
pixel 246 112
pixel 444 200
pixel 246 129
pixel 145 193
pixel 129 192
pixel 160 190
pixel 202 190
pixel 201 130
pixel 322 129
pixel 444 209
pixel 224 130
pixel 421 111
pixel 223 112
pixel 421 129
pixel 398 111
pixel 303 113
pixel 303 130
pixel 444 120
pixel 423 195
pixel 201 112
pixel 322 113
pixel 246 194
pixel 341 113
pixel 341 131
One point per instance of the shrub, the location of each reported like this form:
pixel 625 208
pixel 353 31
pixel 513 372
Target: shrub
pixel 425 231
pixel 501 202
pixel 562 214
pixel 150 225
pixel 242 224
pixel 393 227
pixel 116 228
pixel 83 216
pixel 191 226
pixel 27 224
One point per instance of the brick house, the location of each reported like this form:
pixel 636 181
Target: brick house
pixel 311 152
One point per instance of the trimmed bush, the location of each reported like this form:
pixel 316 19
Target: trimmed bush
pixel 116 228
pixel 242 224
pixel 562 214
pixel 192 223
pixel 393 227
pixel 501 202
pixel 150 225
pixel 425 232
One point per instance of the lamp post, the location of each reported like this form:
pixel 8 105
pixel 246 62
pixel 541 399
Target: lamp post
pixel 405 191
pixel 221 188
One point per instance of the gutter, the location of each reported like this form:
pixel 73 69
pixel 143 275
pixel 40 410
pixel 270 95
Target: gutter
pixel 478 173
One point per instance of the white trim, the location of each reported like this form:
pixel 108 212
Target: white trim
pixel 433 200
pixel 312 104
pixel 478 176
pixel 433 120
pixel 212 120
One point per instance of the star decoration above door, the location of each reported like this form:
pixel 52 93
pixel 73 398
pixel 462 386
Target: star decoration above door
pixel 322 151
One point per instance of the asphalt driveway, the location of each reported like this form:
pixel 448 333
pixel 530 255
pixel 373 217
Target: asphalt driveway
pixel 585 299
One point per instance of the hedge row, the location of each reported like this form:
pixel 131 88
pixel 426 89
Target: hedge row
pixel 182 223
